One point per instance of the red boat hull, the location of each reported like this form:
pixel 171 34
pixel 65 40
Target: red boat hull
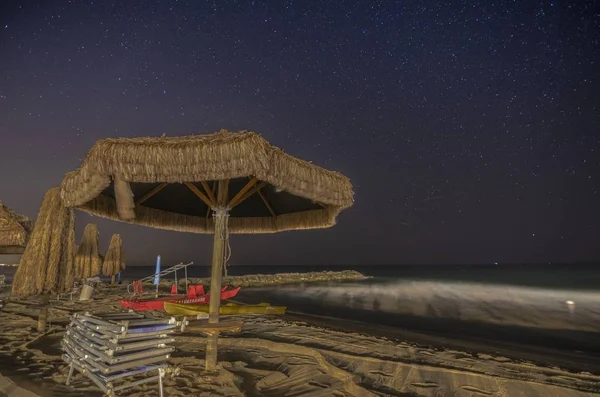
pixel 158 303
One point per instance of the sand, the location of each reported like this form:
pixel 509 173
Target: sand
pixel 274 356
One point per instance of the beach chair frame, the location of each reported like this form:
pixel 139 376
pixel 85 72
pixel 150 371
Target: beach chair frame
pixel 110 347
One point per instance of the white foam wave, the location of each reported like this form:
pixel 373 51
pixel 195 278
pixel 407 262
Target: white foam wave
pixel 498 304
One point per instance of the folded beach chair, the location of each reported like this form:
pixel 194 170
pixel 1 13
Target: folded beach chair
pixel 113 350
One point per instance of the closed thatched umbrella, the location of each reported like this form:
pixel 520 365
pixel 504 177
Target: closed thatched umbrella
pixel 113 261
pixel 14 231
pixel 175 184
pixel 47 265
pixel 87 258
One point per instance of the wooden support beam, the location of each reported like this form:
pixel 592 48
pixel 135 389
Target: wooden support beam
pixel 254 190
pixel 241 193
pixel 11 250
pixel 219 242
pixel 209 191
pixel 212 328
pixel 198 193
pixel 150 193
pixel 223 192
pixel 208 210
pixel 269 207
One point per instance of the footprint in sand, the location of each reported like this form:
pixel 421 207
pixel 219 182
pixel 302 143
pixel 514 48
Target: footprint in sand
pixel 321 385
pixel 424 385
pixel 377 372
pixel 477 390
pixel 514 371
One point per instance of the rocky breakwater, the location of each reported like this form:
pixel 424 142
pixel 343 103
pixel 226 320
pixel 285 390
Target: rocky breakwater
pixel 264 280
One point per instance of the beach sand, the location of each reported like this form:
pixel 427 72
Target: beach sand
pixel 275 356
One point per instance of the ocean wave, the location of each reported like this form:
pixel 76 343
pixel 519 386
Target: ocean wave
pixel 498 304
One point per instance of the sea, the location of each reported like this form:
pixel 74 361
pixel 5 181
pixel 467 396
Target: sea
pixel 549 276
pixel 544 276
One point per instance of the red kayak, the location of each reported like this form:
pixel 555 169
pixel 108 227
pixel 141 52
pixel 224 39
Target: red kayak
pixel 195 295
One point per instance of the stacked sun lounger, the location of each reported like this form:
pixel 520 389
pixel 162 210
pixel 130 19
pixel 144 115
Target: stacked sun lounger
pixel 109 348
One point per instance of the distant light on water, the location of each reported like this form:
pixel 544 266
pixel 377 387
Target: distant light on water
pixel 571 306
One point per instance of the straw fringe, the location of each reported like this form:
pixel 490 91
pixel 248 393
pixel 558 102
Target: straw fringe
pixel 124 196
pixel 113 261
pixel 87 259
pixel 46 265
pixel 14 228
pixel 317 219
pixel 223 155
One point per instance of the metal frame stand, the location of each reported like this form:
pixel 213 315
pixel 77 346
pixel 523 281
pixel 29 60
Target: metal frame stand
pixel 163 273
pixel 108 348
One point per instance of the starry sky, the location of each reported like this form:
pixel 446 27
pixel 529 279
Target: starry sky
pixel 470 130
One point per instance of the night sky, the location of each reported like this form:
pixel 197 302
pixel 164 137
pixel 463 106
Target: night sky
pixel 471 131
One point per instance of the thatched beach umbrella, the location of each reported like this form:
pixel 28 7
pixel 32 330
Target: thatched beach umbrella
pixel 47 264
pixel 87 257
pixel 14 231
pixel 176 183
pixel 113 261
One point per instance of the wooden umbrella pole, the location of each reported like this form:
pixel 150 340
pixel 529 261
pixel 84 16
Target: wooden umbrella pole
pixel 43 316
pixel 221 216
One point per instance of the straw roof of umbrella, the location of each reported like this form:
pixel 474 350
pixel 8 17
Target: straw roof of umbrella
pixel 87 258
pixel 47 264
pixel 113 261
pixel 14 231
pixel 165 183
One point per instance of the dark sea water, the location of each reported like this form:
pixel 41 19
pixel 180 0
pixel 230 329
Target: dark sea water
pixel 550 276
pixel 555 276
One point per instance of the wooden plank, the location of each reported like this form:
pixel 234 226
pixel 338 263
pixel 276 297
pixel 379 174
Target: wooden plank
pixel 267 204
pixel 150 193
pixel 212 328
pixel 11 250
pixel 254 190
pixel 198 193
pixel 241 193
pixel 209 192
pixel 208 210
pixel 223 193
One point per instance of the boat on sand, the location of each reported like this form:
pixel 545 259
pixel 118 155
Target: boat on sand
pixel 194 296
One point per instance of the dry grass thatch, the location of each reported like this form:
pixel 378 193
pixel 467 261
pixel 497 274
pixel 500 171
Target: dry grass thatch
pixel 47 265
pixel 113 261
pixel 87 258
pixel 197 158
pixel 317 219
pixel 14 228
